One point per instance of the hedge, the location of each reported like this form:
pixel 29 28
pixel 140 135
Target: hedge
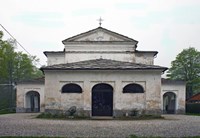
pixel 193 108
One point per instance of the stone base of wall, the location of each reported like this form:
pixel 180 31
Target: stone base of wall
pixel 87 113
pixel 179 111
pixel 54 111
pixel 120 113
pixel 116 113
pixel 26 110
pixel 29 110
pixel 153 112
pixel 20 110
pixel 79 112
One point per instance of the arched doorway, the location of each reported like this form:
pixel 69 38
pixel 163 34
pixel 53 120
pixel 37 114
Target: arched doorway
pixel 32 101
pixel 169 103
pixel 102 100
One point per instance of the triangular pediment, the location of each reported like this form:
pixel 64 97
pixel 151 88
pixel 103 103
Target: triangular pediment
pixel 99 34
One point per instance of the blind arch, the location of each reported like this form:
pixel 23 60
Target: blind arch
pixel 133 88
pixel 71 88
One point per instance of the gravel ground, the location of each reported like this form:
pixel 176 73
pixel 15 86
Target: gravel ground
pixel 27 125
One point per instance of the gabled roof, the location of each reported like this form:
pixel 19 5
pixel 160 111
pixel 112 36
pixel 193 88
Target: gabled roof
pixel 73 38
pixel 32 81
pixel 54 52
pixel 153 52
pixel 168 81
pixel 103 64
pixel 194 98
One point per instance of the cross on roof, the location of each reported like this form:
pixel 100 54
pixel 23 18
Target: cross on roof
pixel 100 21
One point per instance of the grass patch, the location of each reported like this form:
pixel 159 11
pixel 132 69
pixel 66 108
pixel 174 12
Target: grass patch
pixel 194 114
pixel 6 111
pixel 29 137
pixel 131 136
pixel 134 136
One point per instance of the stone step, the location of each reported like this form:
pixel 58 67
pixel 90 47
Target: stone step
pixel 102 117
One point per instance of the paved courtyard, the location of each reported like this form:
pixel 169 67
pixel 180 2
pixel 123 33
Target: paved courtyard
pixel 28 125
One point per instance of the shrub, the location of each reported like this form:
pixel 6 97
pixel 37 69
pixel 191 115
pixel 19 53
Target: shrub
pixel 7 111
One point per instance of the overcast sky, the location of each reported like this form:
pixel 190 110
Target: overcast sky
pixel 166 26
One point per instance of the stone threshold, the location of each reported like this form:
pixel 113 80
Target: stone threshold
pixel 102 117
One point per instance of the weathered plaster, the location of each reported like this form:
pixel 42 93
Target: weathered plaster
pixel 106 45
pixel 22 90
pixel 150 99
pixel 179 91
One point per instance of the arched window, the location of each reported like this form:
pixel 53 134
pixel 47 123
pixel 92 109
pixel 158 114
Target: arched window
pixel 71 88
pixel 133 88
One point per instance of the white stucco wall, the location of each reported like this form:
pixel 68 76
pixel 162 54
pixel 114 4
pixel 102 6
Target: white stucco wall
pixel 75 57
pixel 150 100
pixel 110 47
pixel 55 58
pixel 105 45
pixel 179 90
pixel 144 58
pixel 81 52
pixel 117 47
pixel 22 90
pixel 99 36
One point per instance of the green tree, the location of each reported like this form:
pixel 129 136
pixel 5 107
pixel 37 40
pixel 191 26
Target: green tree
pixel 16 66
pixel 6 58
pixel 186 67
pixel 24 68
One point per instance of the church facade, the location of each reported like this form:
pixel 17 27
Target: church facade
pixel 101 73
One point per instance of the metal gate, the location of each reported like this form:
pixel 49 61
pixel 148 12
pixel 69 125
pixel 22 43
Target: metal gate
pixel 102 100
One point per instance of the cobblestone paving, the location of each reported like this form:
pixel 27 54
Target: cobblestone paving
pixel 28 125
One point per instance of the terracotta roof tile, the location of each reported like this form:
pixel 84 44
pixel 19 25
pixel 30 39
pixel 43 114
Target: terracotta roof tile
pixel 195 97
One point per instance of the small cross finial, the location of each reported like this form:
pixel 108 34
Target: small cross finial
pixel 100 21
